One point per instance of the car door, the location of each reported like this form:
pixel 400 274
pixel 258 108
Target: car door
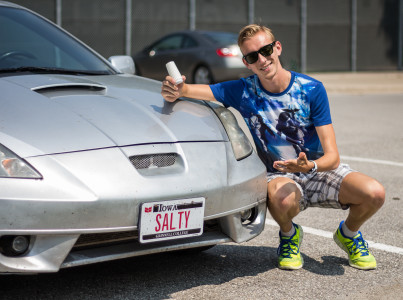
pixel 159 54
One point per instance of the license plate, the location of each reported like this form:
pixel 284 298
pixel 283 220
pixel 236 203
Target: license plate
pixel 168 220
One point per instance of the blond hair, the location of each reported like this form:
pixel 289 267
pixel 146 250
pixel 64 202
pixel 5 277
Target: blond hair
pixel 251 30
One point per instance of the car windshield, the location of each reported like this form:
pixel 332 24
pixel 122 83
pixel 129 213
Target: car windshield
pixel 29 43
pixel 222 38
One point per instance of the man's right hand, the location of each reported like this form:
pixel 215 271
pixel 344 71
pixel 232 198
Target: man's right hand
pixel 170 91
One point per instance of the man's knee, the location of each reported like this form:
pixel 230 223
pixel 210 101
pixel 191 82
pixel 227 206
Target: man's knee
pixel 360 189
pixel 283 194
pixel 376 194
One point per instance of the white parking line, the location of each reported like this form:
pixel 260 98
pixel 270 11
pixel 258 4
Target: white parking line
pixel 372 161
pixel 327 234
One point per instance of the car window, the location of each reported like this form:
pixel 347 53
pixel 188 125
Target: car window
pixel 170 43
pixel 189 42
pixel 27 40
pixel 222 38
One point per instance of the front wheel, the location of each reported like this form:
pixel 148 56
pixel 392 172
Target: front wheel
pixel 202 75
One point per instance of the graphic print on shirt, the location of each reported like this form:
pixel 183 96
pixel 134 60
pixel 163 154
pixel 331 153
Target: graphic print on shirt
pixel 292 129
pixel 278 122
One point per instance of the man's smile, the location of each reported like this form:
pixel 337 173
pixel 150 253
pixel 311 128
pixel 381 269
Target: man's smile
pixel 266 66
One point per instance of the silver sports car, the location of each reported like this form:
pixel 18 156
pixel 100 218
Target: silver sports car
pixel 96 166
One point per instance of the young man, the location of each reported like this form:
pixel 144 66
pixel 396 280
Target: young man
pixel 289 118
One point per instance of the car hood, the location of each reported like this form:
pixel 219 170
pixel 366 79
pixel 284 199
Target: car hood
pixel 45 114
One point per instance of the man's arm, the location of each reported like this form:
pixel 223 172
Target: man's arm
pixel 170 91
pixel 331 159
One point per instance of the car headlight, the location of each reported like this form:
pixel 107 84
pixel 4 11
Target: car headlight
pixel 240 144
pixel 11 165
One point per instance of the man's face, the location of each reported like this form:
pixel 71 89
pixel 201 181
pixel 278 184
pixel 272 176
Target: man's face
pixel 265 67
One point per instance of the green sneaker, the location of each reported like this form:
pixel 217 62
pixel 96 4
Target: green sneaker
pixel 357 249
pixel 289 256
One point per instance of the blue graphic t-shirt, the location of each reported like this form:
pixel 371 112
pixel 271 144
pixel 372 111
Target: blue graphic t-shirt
pixel 282 125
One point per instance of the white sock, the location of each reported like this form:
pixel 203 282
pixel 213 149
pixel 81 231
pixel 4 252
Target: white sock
pixel 347 232
pixel 290 233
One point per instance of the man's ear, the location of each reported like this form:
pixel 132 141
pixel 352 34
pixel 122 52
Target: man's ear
pixel 245 63
pixel 278 47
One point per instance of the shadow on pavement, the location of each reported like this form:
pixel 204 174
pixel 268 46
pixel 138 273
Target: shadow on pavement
pixel 155 276
pixel 329 266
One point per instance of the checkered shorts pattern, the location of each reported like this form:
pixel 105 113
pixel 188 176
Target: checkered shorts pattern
pixel 320 189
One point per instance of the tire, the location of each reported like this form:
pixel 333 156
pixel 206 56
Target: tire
pixel 202 75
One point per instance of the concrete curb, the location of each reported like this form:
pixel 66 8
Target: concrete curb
pixel 361 82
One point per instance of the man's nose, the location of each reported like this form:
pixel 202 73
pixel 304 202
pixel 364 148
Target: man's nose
pixel 261 57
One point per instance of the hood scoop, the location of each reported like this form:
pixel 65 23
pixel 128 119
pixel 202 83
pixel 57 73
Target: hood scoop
pixel 58 90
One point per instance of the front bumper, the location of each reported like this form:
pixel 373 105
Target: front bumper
pixel 78 199
pixel 50 252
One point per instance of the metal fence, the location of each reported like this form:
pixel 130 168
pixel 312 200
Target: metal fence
pixel 317 35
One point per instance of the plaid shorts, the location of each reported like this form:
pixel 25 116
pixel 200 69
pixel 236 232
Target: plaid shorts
pixel 320 189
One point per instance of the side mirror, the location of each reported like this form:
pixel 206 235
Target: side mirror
pixel 123 63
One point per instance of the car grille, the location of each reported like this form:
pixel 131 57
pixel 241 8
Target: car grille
pixel 88 240
pixel 154 160
pixel 93 240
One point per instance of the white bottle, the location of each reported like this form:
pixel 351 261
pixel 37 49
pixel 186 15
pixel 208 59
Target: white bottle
pixel 174 72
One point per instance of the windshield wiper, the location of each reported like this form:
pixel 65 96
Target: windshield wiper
pixel 42 70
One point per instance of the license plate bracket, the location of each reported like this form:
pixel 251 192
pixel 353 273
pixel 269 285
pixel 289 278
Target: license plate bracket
pixel 171 219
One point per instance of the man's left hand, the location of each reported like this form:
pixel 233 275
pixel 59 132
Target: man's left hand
pixel 301 164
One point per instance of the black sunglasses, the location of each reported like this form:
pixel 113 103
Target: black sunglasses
pixel 252 57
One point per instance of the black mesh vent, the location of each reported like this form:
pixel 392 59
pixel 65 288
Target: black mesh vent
pixel 153 160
